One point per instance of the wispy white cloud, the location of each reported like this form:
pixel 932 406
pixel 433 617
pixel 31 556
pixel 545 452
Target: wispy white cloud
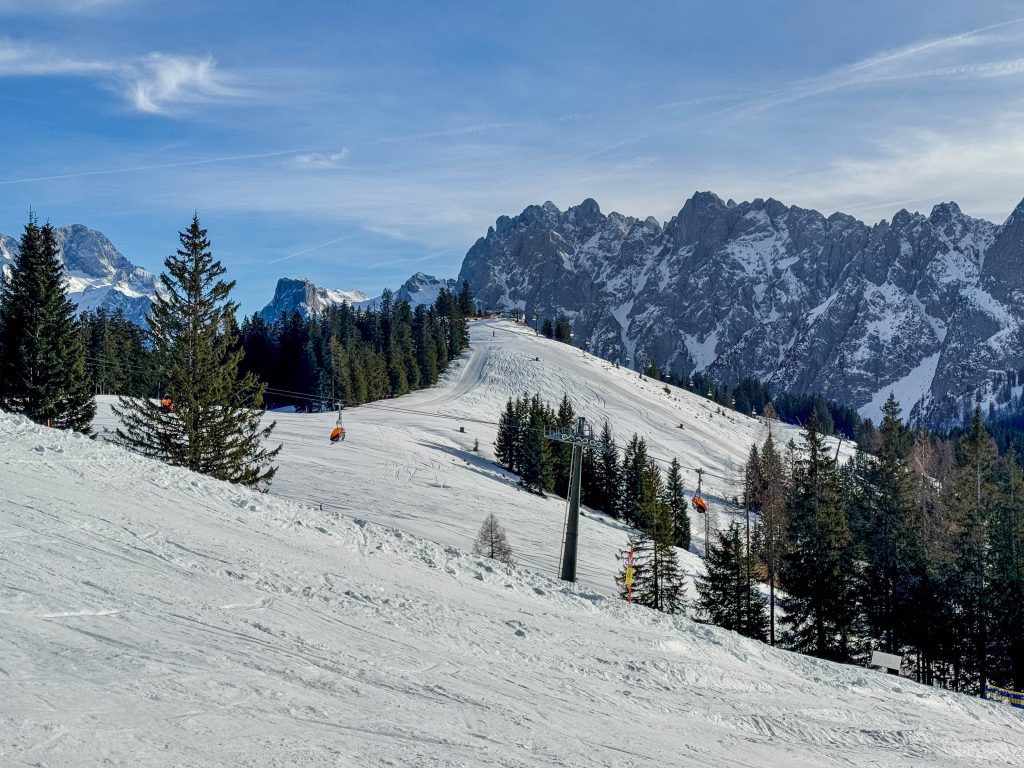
pixel 162 81
pixel 321 160
pixel 158 83
pixel 24 59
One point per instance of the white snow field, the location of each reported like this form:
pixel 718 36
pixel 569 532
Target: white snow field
pixel 405 463
pixel 153 617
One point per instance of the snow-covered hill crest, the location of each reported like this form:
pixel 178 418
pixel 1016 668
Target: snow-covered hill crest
pixel 99 276
pixel 929 306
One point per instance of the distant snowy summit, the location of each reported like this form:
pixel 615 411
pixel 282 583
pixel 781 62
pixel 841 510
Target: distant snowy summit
pixel 308 299
pixel 99 277
pixel 303 296
pixel 930 307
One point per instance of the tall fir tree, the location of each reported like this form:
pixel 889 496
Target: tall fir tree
pixel 1007 556
pixel 609 475
pixel 215 425
pixel 891 550
pixel 818 572
pixel 634 462
pixel 725 596
pixel 678 504
pixel 657 579
pixel 973 498
pixel 773 527
pixel 42 349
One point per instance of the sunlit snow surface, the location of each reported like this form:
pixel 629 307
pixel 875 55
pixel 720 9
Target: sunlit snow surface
pixel 151 617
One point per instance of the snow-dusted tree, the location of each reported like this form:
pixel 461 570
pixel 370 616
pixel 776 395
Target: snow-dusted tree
pixel 215 425
pixel 492 542
pixel 42 349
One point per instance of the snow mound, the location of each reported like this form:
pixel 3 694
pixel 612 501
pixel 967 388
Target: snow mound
pixel 151 616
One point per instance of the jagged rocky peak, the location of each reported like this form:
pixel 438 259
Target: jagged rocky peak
pixel 300 294
pixel 807 302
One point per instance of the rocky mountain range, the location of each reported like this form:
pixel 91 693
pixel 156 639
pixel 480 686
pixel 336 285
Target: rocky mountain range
pixel 928 307
pixel 301 294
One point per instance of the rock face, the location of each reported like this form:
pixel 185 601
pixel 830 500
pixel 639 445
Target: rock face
pixel 98 275
pixel 929 307
pixel 300 294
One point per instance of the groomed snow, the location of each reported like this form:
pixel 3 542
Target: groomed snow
pixel 153 617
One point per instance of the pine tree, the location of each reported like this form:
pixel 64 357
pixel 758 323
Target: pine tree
pixel 773 527
pixel 215 426
pixel 973 497
pixel 467 307
pixel 818 568
pixel 42 350
pixel 609 475
pixel 634 462
pixel 1007 556
pixel 675 497
pixel 492 542
pixel 561 453
pixel 725 596
pixel 657 580
pixel 891 547
pixel 537 471
pixel 509 439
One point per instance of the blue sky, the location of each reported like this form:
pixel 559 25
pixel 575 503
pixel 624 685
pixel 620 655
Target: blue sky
pixel 356 143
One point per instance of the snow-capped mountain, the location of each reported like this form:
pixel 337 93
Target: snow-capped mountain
pixel 929 307
pixel 98 275
pixel 301 294
pixel 422 288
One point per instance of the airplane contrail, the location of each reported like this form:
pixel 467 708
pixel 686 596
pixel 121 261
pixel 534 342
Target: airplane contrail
pixel 134 169
pixel 313 248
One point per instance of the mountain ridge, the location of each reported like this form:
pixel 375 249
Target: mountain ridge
pixel 930 306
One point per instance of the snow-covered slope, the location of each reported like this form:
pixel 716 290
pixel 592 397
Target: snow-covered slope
pixel 149 616
pixel 928 305
pixel 99 277
pixel 406 463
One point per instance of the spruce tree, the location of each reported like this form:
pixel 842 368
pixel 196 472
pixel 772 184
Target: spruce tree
pixel 1007 555
pixel 773 498
pixel 215 425
pixel 973 498
pixel 675 497
pixel 634 462
pixel 42 349
pixel 891 547
pixel 818 567
pixel 724 595
pixel 657 580
pixel 609 475
pixel 561 453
